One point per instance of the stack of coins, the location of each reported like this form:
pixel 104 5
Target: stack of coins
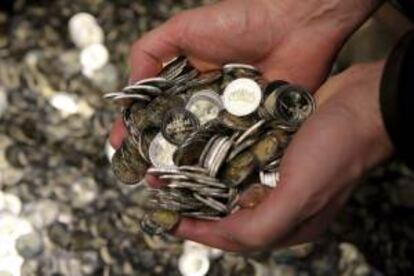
pixel 208 135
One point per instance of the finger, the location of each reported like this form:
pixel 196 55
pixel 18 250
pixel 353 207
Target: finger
pixel 209 233
pixel 154 182
pixel 247 229
pixel 117 134
pixel 154 48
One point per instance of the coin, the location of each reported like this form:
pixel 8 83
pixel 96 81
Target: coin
pixel 189 153
pixel 3 101
pixel 242 97
pixel 93 57
pixel 84 30
pixel 270 179
pixel 234 122
pixel 161 152
pixel 194 264
pixel 266 149
pixel 205 105
pixel 127 163
pixel 178 124
pixel 238 170
pixel 290 104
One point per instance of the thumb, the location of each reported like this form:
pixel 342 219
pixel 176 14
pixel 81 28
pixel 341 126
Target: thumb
pixel 156 47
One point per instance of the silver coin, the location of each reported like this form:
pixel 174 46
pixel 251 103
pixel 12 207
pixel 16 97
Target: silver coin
pixel 111 95
pixel 270 179
pixel 242 97
pixel 252 130
pixel 206 105
pixel 232 66
pixel 154 81
pixel 148 90
pixel 161 152
pixel 132 96
pixel 220 157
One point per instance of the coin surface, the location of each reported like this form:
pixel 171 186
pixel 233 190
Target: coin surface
pixel 242 97
pixel 177 124
pixel 205 105
pixel 84 30
pixel 161 152
pixel 291 104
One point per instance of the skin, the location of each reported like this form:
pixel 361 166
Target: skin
pixel 293 41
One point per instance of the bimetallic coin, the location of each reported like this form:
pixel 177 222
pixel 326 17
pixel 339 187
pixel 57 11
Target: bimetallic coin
pixel 291 104
pixel 127 163
pixel 189 153
pixel 266 149
pixel 178 124
pixel 242 97
pixel 239 169
pixel 205 105
pixel 166 219
pixel 161 152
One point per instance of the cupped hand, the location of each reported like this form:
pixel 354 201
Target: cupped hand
pixel 321 166
pixel 293 41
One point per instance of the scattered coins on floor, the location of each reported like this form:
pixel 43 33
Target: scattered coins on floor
pixel 208 136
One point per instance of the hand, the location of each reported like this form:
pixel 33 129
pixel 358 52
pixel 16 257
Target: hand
pixel 288 40
pixel 343 139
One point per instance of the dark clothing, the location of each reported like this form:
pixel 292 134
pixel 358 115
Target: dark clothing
pixel 406 6
pixel 397 97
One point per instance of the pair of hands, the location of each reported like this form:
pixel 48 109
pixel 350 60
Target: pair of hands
pixel 297 42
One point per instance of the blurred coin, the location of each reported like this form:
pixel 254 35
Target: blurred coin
pixel 129 169
pixel 84 30
pixel 109 150
pixel 65 102
pixel 194 264
pixel 10 203
pixel 41 213
pixel 178 124
pixel 242 97
pixel 3 101
pixel 161 152
pixel 93 57
pixel 11 265
pixel 29 245
pixel 205 105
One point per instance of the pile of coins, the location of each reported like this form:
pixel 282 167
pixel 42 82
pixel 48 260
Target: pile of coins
pixel 208 135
